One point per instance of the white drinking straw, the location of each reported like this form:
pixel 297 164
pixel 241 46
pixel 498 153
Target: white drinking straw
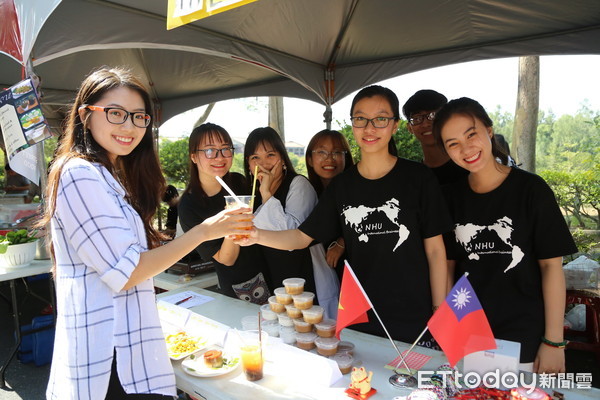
pixel 228 190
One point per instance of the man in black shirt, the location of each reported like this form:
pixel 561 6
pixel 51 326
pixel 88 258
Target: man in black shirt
pixel 420 111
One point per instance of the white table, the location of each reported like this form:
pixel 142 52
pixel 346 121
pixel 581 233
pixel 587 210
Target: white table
pixel 373 352
pixel 12 274
pixel 170 281
pixel 35 268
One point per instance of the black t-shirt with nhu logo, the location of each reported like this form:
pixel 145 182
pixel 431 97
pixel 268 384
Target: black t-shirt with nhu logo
pixel 498 238
pixel 384 222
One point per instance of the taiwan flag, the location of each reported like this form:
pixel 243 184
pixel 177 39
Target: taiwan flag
pixel 354 302
pixel 460 326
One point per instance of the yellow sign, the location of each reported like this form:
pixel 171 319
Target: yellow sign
pixel 181 12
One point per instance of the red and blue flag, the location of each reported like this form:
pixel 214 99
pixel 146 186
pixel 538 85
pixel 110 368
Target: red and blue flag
pixel 460 325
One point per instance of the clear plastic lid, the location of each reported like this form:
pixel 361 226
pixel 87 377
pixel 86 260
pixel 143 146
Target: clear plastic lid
pixel 306 337
pixel 327 343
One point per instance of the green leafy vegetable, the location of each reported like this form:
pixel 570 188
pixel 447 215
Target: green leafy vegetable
pixel 16 237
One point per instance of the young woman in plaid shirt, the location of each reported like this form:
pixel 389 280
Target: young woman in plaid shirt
pixel 103 189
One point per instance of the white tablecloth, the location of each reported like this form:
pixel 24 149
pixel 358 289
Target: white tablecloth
pixel 371 351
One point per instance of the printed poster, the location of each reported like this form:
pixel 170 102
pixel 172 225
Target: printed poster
pixel 21 118
pixel 23 125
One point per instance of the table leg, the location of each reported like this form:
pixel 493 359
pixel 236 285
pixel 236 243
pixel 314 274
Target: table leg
pixel 15 308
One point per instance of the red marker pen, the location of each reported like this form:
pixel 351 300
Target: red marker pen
pixel 183 301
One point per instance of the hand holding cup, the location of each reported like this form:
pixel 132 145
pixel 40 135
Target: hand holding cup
pixel 228 222
pixel 231 203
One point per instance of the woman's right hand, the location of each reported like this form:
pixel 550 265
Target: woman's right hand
pixel 268 179
pixel 228 222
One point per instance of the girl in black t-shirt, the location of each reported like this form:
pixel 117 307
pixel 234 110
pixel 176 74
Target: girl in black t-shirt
pixel 239 271
pixel 509 235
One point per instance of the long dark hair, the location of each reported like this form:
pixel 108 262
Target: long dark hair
pixel 262 137
pixel 196 138
pixel 139 171
pixel 471 108
pixel 340 141
pixel 392 99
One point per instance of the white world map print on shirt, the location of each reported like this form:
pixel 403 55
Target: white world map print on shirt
pixel 467 235
pixel 357 218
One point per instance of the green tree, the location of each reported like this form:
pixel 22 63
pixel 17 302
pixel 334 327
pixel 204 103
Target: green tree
pixel 299 164
pixel 407 144
pixel 567 190
pixel 346 130
pixel 503 123
pixel 238 164
pixel 575 142
pixel 589 184
pixel 49 148
pixel 545 131
pixel 174 161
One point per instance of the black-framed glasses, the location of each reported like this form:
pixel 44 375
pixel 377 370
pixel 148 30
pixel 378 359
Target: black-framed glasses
pixel 323 155
pixel 418 119
pixel 118 116
pixel 210 153
pixel 377 122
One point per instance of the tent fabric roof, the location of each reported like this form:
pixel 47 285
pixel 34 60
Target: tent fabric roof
pixel 288 47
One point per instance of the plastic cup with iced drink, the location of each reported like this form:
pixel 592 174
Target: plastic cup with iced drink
pixel 252 358
pixel 231 203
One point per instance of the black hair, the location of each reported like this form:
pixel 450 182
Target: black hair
pixel 502 143
pixel 170 193
pixel 423 100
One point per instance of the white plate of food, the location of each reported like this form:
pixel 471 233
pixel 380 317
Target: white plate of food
pixel 181 345
pixel 211 362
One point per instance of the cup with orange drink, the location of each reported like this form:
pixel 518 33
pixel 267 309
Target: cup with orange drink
pixel 252 349
pixel 232 203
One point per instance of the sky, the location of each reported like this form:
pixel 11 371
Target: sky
pixel 566 82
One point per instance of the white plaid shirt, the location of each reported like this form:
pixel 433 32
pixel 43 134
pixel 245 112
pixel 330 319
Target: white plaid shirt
pixel 98 238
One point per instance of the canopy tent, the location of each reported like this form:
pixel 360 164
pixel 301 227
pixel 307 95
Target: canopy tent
pixel 311 49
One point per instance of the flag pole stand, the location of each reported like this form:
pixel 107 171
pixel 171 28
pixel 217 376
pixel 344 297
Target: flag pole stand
pixel 404 380
pixel 400 379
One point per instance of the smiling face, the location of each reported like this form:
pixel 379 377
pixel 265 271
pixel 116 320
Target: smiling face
pixel 373 140
pixel 116 139
pixel 328 167
pixel 468 142
pixel 218 166
pixel 422 131
pixel 266 157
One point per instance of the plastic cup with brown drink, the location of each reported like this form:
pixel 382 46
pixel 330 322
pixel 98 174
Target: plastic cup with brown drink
pixel 252 356
pixel 246 202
